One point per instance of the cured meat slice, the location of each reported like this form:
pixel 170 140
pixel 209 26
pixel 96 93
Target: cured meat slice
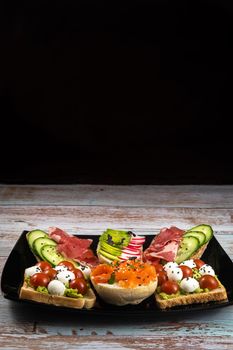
pixel 166 235
pixel 165 245
pixel 73 247
pixel 58 235
pixel 168 252
pixel 61 236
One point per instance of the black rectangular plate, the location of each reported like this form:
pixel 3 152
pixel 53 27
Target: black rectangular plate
pixel 21 258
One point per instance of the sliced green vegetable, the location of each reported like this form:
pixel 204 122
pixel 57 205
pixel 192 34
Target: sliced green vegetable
pixel 187 247
pixel 115 238
pixel 40 242
pixel 33 235
pixel 206 229
pixel 198 234
pixel 50 254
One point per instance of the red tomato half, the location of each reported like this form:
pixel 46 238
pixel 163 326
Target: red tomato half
pixel 162 277
pixel 170 287
pixel 158 267
pixel 68 264
pixel 187 271
pixel 78 273
pixel 51 273
pixel 39 279
pixel 80 284
pixel 199 263
pixel 44 265
pixel 208 281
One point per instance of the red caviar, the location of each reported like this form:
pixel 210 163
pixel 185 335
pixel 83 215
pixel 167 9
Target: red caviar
pixel 128 274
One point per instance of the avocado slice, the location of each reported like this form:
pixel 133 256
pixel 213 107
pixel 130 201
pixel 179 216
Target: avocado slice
pixel 108 255
pixel 109 249
pixel 116 238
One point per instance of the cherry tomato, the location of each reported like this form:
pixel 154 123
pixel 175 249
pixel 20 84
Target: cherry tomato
pixel 158 267
pixel 78 273
pixel 155 261
pixel 208 281
pixel 51 273
pixel 170 287
pixel 44 265
pixel 80 284
pixel 199 263
pixel 68 264
pixel 39 279
pixel 162 277
pixel 187 271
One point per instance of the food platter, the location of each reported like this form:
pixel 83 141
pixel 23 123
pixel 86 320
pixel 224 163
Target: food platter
pixel 21 257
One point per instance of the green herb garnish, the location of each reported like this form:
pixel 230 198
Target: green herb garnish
pixel 112 279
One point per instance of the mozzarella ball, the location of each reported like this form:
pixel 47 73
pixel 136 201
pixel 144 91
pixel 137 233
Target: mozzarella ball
pixel 65 276
pixel 175 274
pixel 189 284
pixel 207 270
pixel 32 270
pixel 85 270
pixel 169 266
pixel 190 263
pixel 60 268
pixel 56 287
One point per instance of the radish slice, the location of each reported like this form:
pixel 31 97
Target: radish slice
pixel 131 252
pixel 134 246
pixel 137 241
pixel 138 238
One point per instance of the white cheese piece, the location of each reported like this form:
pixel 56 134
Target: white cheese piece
pixel 190 263
pixel 85 270
pixel 175 274
pixel 60 268
pixel 169 266
pixel 56 287
pixel 65 276
pixel 32 270
pixel 189 284
pixel 207 270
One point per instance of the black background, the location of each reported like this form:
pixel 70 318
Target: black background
pixel 116 92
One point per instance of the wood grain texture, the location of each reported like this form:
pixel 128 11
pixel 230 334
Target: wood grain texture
pixel 100 217
pixel 88 209
pixel 96 342
pixel 188 196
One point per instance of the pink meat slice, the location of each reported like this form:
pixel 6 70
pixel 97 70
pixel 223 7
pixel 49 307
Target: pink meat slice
pixel 168 252
pixel 58 235
pixel 165 245
pixel 73 247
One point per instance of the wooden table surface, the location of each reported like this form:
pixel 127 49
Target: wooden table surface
pixel 88 209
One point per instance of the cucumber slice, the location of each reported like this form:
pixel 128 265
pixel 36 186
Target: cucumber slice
pixel 50 254
pixel 40 242
pixel 33 235
pixel 206 229
pixel 187 247
pixel 198 234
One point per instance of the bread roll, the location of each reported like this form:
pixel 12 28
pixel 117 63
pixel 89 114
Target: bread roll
pixel 116 295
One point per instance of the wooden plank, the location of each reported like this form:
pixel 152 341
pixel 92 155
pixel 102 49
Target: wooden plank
pixel 16 219
pixel 210 322
pixel 188 196
pixel 95 342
